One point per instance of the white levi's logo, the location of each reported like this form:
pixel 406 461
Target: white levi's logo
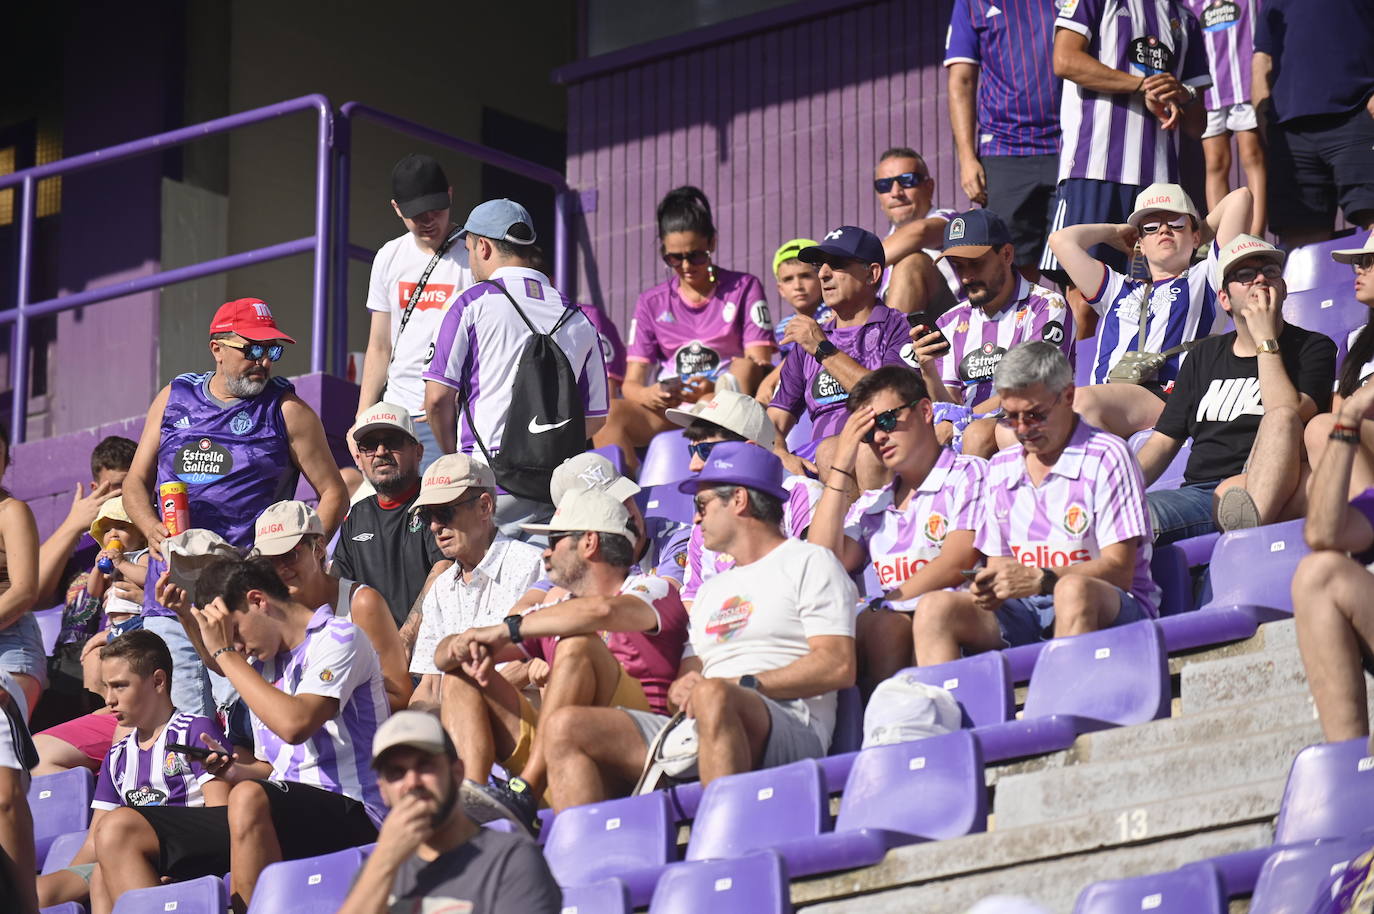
pixel 363 537
pixel 765 793
pixel 1150 902
pixel 724 884
pixel 1102 653
pixel 613 823
pixel 916 764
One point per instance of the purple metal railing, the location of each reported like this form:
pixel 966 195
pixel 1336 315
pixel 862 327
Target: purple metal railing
pixel 24 311
pixel 350 111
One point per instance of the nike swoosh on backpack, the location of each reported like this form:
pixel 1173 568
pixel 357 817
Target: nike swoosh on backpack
pixel 537 427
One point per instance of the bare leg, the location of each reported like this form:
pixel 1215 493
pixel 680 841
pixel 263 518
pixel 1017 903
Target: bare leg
pixel 946 622
pixel 883 639
pixel 585 673
pixel 1251 151
pixel 1084 316
pixel 593 754
pixel 1334 620
pixel 101 899
pixel 56 755
pixel 16 840
pixel 1362 472
pixel 870 470
pixel 1217 151
pixel 1083 604
pixel 127 848
pixel 916 285
pixel 748 373
pixel 732 726
pixel 980 438
pixel 484 723
pixel 1275 470
pixel 1122 409
pixel 33 689
pixel 252 839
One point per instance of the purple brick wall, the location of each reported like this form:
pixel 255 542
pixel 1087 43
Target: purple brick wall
pixel 780 127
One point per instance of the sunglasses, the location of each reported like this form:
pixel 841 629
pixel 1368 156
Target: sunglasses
pixel 393 441
pixel 886 421
pixel 1178 225
pixel 702 449
pixel 906 179
pixel 556 538
pixel 1030 417
pixel 695 258
pixel 254 352
pixel 1362 262
pixel 443 514
pixel 293 555
pixel 1247 275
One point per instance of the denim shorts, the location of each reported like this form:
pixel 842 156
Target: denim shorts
pixel 1031 619
pixel 1177 514
pixel 21 650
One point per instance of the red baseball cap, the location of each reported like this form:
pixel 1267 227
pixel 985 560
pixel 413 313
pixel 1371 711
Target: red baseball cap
pixel 250 318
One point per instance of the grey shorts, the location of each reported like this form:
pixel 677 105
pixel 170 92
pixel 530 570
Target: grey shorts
pixel 790 736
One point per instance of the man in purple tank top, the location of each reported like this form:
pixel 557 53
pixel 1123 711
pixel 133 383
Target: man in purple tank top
pixel 237 438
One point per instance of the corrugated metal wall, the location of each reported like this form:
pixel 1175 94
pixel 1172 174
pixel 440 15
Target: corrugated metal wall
pixel 781 129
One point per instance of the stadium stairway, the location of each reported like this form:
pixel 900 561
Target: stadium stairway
pixel 1118 803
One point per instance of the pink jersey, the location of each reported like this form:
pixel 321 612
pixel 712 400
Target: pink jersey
pixel 1092 497
pixel 901 541
pixel 977 342
pixel 688 339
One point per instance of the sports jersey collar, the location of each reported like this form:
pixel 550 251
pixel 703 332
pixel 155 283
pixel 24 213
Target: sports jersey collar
pixel 1016 302
pixel 386 504
pixel 885 499
pixel 490 566
pixel 1070 462
pixel 521 272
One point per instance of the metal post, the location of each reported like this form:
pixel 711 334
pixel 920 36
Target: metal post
pixel 19 338
pixel 324 188
pixel 343 165
pixel 562 269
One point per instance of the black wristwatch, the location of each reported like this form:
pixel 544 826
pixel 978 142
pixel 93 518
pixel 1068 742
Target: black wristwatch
pixel 1048 581
pixel 513 626
pixel 749 681
pixel 824 350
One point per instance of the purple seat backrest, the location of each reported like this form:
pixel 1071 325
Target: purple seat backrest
pixel 667 460
pixel 755 883
pixel 666 501
pixel 67 907
pixel 1330 793
pixel 195 896
pixel 800 433
pixel 62 850
pixel 1328 309
pixel 1193 889
pixel 50 625
pixel 981 684
pixel 1169 568
pixel 312 885
pixel 1119 675
pixel 1255 567
pixel 1288 882
pixel 849 721
pixel 930 787
pixel 609 896
pixel 1311 266
pixel 1084 352
pixel 614 454
pixel 60 803
pixel 587 843
pixel 755 810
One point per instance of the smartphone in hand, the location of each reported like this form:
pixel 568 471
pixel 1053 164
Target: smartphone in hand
pixel 193 752
pixel 923 319
pixel 970 573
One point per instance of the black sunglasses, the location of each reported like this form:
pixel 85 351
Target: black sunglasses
pixel 1362 261
pixel 695 258
pixel 394 441
pixel 886 420
pixel 556 538
pixel 254 352
pixel 1247 275
pixel 443 514
pixel 906 179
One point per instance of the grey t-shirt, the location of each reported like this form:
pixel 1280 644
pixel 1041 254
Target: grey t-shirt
pixel 493 873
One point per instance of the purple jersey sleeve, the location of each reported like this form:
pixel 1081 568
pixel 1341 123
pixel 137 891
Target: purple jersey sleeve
pixel 791 383
pixel 643 345
pixel 896 337
pixel 758 320
pixel 105 796
pixel 1119 500
pixel 949 361
pixel 1057 312
pixel 961 41
pixel 1081 16
pixel 612 349
pixel 451 344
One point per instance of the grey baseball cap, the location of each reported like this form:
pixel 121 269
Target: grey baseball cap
pixel 495 218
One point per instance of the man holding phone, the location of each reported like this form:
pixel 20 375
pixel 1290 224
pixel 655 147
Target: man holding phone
pixel 960 352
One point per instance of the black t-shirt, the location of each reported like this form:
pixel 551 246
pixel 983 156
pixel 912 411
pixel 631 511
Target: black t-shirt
pixel 1216 398
pixel 388 549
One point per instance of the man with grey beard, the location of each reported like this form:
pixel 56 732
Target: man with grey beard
pixel 234 440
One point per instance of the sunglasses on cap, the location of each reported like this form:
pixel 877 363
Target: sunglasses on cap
pixel 1178 225
pixel 906 179
pixel 254 352
pixel 1247 275
pixel 886 421
pixel 695 258
pixel 443 514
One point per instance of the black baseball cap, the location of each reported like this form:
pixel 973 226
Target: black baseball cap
pixel 849 242
pixel 419 185
pixel 974 233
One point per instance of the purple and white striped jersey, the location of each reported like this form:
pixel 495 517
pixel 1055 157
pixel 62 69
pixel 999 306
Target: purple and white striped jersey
pixel 1113 137
pixel 336 661
pixel 1181 309
pixel 1228 29
pixel 703 564
pixel 901 541
pixel 1093 497
pixel 977 342
pixel 133 776
pixel 945 269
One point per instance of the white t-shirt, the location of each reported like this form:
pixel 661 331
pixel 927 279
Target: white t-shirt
pixel 397 268
pixel 758 616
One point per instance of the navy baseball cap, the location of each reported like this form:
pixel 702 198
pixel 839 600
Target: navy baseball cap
pixel 740 463
pixel 495 219
pixel 849 242
pixel 973 234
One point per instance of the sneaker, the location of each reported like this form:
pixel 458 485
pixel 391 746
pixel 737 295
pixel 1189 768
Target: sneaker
pixel 512 800
pixel 1236 510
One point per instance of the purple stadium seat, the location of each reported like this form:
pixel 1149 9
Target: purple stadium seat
pixel 1193 889
pixel 1116 677
pixel 615 455
pixel 1169 568
pixel 609 896
pixel 800 433
pixel 1255 567
pixel 1288 882
pixel 67 907
pixel 314 885
pixel 1197 550
pixel 666 501
pixel 666 461
pixel 849 721
pixel 50 625
pixel 1021 660
pixel 753 884
pixel 61 851
pixel 60 803
pixel 589 843
pixel 1213 625
pixel 981 684
pixel 1311 266
pixel 196 896
pixel 1083 362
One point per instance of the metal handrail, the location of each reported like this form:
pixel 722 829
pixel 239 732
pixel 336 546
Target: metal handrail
pixel 27 179
pixel 347 251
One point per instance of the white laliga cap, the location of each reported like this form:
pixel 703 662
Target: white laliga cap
pixel 1241 247
pixel 384 415
pixel 740 413
pixel 587 509
pixel 1348 255
pixel 450 476
pixel 282 525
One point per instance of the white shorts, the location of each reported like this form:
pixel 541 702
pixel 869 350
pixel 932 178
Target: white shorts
pixel 1230 120
pixel 10 741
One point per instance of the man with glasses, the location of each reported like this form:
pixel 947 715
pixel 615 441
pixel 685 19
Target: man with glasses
pixel 382 543
pixel 490 570
pixel 912 280
pixel 960 353
pixel 771 641
pixel 1243 398
pixel 610 638
pixel 828 360
pixel 236 438
pixel 1064 526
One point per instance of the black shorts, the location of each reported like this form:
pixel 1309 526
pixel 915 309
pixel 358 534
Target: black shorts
pixel 1021 191
pixel 1087 201
pixel 1317 163
pixel 309 821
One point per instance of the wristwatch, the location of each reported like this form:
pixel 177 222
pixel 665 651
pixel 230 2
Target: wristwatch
pixel 749 681
pixel 1271 346
pixel 513 626
pixel 1047 582
pixel 824 350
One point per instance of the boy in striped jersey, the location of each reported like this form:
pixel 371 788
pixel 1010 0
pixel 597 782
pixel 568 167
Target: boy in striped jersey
pixel 140 770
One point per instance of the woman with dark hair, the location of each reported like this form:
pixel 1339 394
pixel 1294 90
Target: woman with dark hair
pixel 1356 371
pixel 703 327
pixel 21 642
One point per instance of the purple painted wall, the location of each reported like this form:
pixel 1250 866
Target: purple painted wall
pixel 780 126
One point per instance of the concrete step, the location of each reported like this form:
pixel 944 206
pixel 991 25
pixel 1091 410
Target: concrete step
pixel 1241 680
pixel 1272 636
pixel 1198 729
pixel 1054 884
pixel 1183 814
pixel 1077 790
